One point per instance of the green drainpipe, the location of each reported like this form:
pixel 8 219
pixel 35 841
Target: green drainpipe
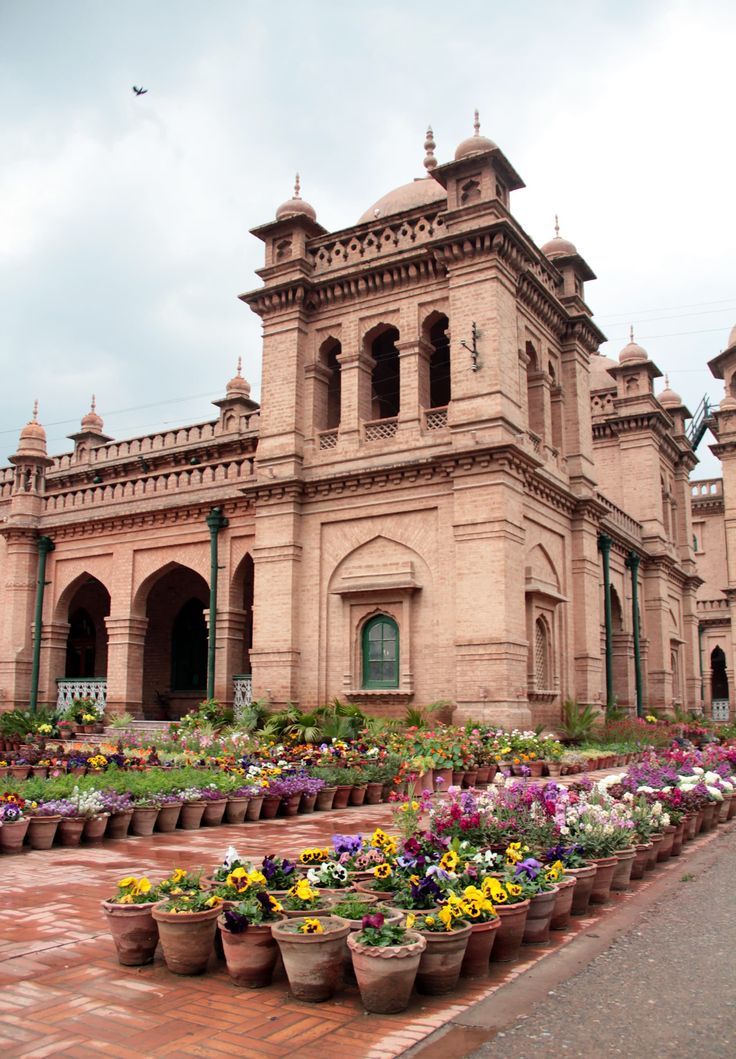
pixel 700 658
pixel 216 521
pixel 604 545
pixel 45 545
pixel 633 564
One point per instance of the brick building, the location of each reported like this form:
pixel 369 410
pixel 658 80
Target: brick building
pixel 446 493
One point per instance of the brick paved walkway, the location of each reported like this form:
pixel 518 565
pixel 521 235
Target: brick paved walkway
pixel 64 993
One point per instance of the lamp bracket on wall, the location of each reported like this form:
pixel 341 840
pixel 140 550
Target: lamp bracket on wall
pixel 473 349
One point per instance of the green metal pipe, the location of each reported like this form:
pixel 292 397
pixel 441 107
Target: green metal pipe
pixel 215 521
pixel 45 545
pixel 701 630
pixel 604 544
pixel 633 564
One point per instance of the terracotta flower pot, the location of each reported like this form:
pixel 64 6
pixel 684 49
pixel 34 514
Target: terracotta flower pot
pixel 321 909
pixel 478 949
pixel 536 768
pixel 386 975
pixel 584 878
pixel 313 962
pixel 665 848
pixel 678 839
pixel 440 963
pixel 342 795
pixel 457 777
pixel 554 768
pixel 134 931
pixel 251 955
pixel 656 840
pixel 541 907
pixel 118 824
pixel 290 806
pixel 601 891
pixel 190 817
pixel 373 793
pixel 510 932
pixel 723 809
pixel 255 805
pixel 622 872
pixel 732 807
pixel 698 825
pixel 12 835
pixel 357 794
pixel 307 802
pixel 367 887
pixel 95 827
pixel 563 903
pixel 235 809
pixel 482 777
pixel 42 831
pixel 325 799
pixel 213 812
pixel 393 916
pixel 470 778
pixel 144 820
pixel 69 832
pixel 270 806
pixel 639 863
pixel 442 778
pixel 709 812
pixel 187 938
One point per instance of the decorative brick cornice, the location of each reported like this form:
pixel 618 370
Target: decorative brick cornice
pixel 164 517
pixel 20 534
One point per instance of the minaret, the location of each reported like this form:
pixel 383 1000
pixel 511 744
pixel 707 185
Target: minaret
pixel 90 435
pixel 237 406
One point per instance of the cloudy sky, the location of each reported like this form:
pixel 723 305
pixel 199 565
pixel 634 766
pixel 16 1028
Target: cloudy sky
pixel 124 221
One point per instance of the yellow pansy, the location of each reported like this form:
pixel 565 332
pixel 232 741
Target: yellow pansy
pixel 449 861
pixel 410 920
pixel 311 926
pixel 129 880
pixel 514 890
pixel 446 917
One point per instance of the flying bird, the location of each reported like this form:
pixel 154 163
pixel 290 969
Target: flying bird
pixel 139 91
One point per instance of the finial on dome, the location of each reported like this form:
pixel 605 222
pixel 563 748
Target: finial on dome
pixel 631 332
pixel 239 372
pixel 297 187
pixel 35 411
pixel 296 205
pixel 430 162
pixel 557 227
pixel 476 123
pixel 93 404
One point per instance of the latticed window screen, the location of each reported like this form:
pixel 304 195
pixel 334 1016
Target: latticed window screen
pixel 541 654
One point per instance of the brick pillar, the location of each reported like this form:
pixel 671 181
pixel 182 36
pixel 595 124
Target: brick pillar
pixel 585 613
pixel 230 637
pixel 414 357
pixel 54 636
pixel 16 628
pixel 126 641
pixel 356 369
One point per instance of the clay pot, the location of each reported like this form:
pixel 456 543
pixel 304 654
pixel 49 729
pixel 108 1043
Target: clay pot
pixel 601 891
pixel 144 820
pixel 722 815
pixel 134 931
pixel 325 798
pixel 95 827
pixel 187 938
pixel 510 932
pixel 536 768
pixel 440 963
pixel 470 778
pixel 386 975
pixel 213 812
pixel 70 830
pixel 698 825
pixel 367 887
pixel 322 909
pixel 235 809
pixel 12 834
pixel 357 794
pixel 584 879
pixel 313 962
pixel 541 907
pixel 373 793
pixel 639 863
pixel 342 795
pixel 255 805
pixel 622 872
pixel 665 848
pixel 478 949
pixel 251 955
pixel 709 813
pixel 457 777
pixel 482 777
pixel 678 839
pixel 656 840
pixel 118 824
pixel 42 831
pixel 563 903
pixel 554 768
pixel 290 806
pixel 190 817
pixel 732 807
pixel 270 806
pixel 307 802
pixel 394 915
pixel 19 772
pixel 443 775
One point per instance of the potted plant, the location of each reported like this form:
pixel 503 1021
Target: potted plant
pixel 248 944
pixel 538 883
pixel 311 949
pixel 187 924
pixel 130 920
pixel 512 909
pixel 14 820
pixel 446 934
pixel 385 960
pixel 302 900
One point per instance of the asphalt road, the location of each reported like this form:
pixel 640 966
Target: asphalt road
pixel 665 988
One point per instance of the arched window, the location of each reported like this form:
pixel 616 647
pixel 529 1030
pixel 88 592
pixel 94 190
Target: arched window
pixel 330 412
pixel 617 614
pixel 80 646
pixel 385 384
pixel 380 653
pixel 439 364
pixel 189 648
pixel 718 674
pixel 542 667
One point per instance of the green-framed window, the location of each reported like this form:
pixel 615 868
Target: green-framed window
pixel 380 653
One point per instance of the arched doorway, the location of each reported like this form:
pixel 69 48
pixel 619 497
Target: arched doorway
pixel 718 675
pixel 86 645
pixel 175 651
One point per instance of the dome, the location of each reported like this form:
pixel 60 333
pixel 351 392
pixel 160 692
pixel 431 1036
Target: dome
pixel 92 422
pixel 732 338
pixel 668 398
pixel 296 206
pixel 632 353
pixel 475 144
pixel 238 386
pixel 558 247
pixel 32 441
pixel 424 191
pixel 600 368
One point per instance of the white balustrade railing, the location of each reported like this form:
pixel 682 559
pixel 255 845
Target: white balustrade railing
pixel 720 709
pixel 242 693
pixel 70 688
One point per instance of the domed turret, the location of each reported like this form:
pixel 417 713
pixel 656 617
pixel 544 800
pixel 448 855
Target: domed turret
pixel 92 422
pixel 632 353
pixel 731 338
pixel 423 191
pixel 32 441
pixel 475 144
pixel 559 247
pixel 238 386
pixel 668 398
pixel 296 206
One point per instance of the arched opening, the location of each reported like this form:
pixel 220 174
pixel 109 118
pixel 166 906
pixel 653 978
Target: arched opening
pixel 675 666
pixel 328 387
pixel 718 675
pixel 175 651
pixel 535 384
pixel 542 661
pixel 385 376
pixel 380 650
pixel 617 614
pixel 241 598
pixel 86 645
pixel 439 364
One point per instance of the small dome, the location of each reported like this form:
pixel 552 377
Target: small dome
pixel 32 441
pixel 92 422
pixel 558 247
pixel 732 338
pixel 632 353
pixel 296 206
pixel 424 191
pixel 475 144
pixel 668 398
pixel 238 386
pixel 600 372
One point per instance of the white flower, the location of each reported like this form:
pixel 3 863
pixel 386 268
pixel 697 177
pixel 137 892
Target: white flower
pixel 714 792
pixel 231 855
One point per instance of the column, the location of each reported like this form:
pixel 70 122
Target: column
pixel 633 564
pixel 125 644
pixel 414 358
pixel 585 604
pixel 231 625
pixel 604 544
pixel 356 369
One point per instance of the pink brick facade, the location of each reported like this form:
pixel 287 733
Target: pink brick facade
pixel 439 448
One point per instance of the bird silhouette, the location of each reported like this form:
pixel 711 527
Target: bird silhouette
pixel 139 91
